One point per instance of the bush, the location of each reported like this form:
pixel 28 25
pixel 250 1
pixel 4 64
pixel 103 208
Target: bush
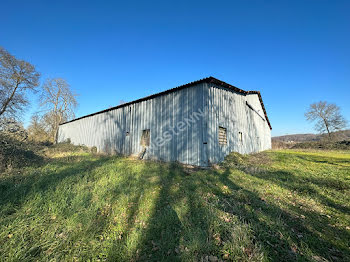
pixel 324 145
pixel 251 163
pixel 68 147
pixel 234 160
pixel 277 144
pixel 16 154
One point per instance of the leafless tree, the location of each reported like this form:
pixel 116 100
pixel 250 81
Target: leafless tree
pixel 38 130
pixel 16 77
pixel 327 116
pixel 58 102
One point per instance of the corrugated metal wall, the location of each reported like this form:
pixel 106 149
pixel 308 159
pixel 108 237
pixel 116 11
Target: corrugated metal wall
pixel 108 131
pixel 183 126
pixel 228 109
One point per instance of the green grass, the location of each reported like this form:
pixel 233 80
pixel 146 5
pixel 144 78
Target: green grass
pixel 274 206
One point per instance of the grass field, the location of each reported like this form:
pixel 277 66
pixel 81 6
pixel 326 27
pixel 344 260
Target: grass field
pixel 272 206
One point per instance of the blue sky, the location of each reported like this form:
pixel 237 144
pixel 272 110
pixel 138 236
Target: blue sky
pixel 294 52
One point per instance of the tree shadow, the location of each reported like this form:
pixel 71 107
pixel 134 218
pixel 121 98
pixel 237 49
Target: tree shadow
pixel 154 233
pixel 179 224
pixel 277 229
pixel 164 238
pixel 292 182
pixel 174 234
pixel 161 237
pixel 325 160
pixel 15 189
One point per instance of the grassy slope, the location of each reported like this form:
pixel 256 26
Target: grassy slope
pixel 281 205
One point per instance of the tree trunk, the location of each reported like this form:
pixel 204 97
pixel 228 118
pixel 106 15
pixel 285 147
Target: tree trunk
pixel 57 125
pixel 56 136
pixel 3 109
pixel 329 133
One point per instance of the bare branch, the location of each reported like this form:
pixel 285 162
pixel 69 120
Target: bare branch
pixel 16 77
pixel 59 103
pixel 327 116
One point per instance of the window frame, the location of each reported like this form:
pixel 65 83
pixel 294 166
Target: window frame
pixel 222 140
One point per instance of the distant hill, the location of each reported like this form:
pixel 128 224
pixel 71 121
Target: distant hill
pixel 340 135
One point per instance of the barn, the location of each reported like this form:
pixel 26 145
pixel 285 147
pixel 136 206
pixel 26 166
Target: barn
pixel 198 123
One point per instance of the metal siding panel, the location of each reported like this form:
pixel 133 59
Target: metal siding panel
pixel 107 130
pixel 229 109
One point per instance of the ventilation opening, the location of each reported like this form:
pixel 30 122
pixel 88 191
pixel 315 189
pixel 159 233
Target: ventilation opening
pixel 145 137
pixel 222 136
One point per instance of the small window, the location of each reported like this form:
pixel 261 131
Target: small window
pixel 240 136
pixel 222 136
pixel 145 138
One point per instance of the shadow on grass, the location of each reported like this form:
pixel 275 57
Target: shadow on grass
pixel 160 237
pixel 279 231
pixel 180 223
pixel 282 235
pixel 291 182
pixel 325 160
pixel 165 237
pixel 15 189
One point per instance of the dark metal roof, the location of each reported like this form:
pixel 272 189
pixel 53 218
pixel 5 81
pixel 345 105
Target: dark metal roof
pixel 204 80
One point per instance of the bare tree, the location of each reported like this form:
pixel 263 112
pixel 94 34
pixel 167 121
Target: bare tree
pixel 59 103
pixel 327 116
pixel 38 130
pixel 16 77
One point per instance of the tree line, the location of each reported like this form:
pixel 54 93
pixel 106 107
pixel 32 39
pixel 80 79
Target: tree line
pixel 57 101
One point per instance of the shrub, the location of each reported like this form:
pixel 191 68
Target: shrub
pixel 93 150
pixel 16 154
pixel 277 144
pixel 68 147
pixel 324 145
pixel 252 163
pixel 234 160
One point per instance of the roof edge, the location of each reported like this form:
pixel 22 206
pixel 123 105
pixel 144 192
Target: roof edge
pixel 209 79
pixel 234 88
